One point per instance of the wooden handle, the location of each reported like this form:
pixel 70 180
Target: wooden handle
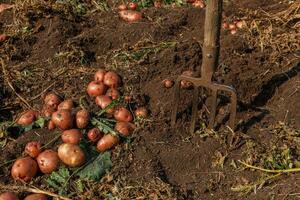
pixel 211 46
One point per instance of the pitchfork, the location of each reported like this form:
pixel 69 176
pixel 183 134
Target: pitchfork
pixel 210 56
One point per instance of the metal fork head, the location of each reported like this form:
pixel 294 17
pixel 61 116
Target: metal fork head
pixel 215 88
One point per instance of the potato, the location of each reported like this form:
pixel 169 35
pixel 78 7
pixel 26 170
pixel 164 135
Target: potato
pixel 66 105
pixel 108 141
pixel 94 135
pixel 112 79
pixel 82 118
pixel 71 154
pixel 63 119
pixel 48 161
pixel 124 128
pixel 96 88
pixel 186 84
pixel 52 100
pixel 8 196
pixel 36 197
pixel 113 93
pixel 99 75
pixel 24 169
pixel 33 149
pixel 103 101
pixel 72 136
pixel 141 112
pixel 123 115
pixel 27 118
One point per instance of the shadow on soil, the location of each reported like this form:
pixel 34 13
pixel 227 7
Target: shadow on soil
pixel 270 87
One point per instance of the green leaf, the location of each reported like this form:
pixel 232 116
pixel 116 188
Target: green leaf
pixel 79 186
pixel 113 104
pixel 59 180
pixel 40 122
pixel 28 127
pixel 97 168
pixel 104 125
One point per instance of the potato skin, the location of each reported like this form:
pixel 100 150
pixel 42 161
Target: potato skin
pixel 113 93
pixel 8 196
pixel 33 149
pixel 112 79
pixel 123 115
pixel 72 136
pixel 36 197
pixel 66 105
pixel 52 100
pixel 130 15
pixel 71 155
pixel 48 161
pixel 141 112
pixel 99 75
pixel 96 88
pixel 82 118
pixel 24 169
pixel 186 84
pixel 27 118
pixel 94 135
pixel 124 128
pixel 108 141
pixel 63 119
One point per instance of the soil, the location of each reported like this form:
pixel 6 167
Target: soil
pixel 61 51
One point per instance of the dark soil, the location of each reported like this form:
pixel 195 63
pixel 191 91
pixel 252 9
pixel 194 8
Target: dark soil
pixel 62 50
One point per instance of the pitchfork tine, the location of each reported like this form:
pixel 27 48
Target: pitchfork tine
pixel 232 109
pixel 176 101
pixel 213 111
pixel 194 109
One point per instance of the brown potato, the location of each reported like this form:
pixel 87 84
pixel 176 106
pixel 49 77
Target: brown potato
pixel 94 135
pixel 27 118
pixel 63 119
pixel 130 15
pixel 124 128
pixel 51 125
pixel 24 169
pixel 123 115
pixel 108 141
pixel 113 93
pixel 48 161
pixel 99 75
pixel 112 79
pixel 96 88
pixel 186 84
pixel 52 100
pixel 141 112
pixel 66 105
pixel 103 101
pixel 71 154
pixel 8 196
pixel 33 149
pixel 36 197
pixel 72 136
pixel 47 111
pixel 82 118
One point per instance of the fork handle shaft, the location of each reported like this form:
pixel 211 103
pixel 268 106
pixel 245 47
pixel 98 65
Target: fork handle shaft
pixel 211 46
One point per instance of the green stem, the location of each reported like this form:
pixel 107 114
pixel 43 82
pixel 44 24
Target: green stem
pixel 104 126
pixel 82 103
pixel 271 170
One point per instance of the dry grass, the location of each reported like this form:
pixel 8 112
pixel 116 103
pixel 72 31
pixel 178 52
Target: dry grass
pixel 277 33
